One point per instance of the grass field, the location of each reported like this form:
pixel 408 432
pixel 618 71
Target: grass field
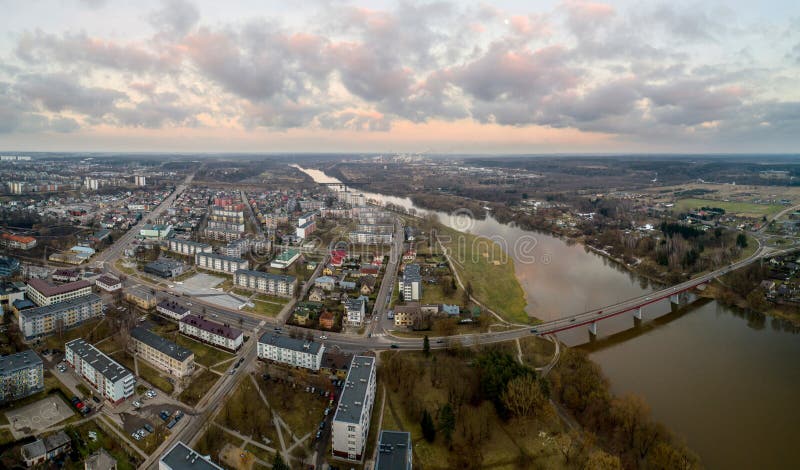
pixel 489 270
pixel 300 410
pixel 151 375
pixel 744 209
pixel 265 307
pixel 200 385
pixel 203 353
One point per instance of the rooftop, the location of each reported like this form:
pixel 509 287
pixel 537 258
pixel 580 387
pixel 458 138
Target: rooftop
pixel 287 342
pixel 351 403
pixel 173 306
pixel 160 344
pixel 211 326
pixel 49 290
pixel 17 361
pixel 102 363
pixel 182 457
pixel 29 314
pixel 232 259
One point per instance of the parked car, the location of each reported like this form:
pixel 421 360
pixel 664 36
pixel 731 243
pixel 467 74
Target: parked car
pixel 149 428
pixel 137 404
pixel 96 400
pixel 172 423
pixel 178 414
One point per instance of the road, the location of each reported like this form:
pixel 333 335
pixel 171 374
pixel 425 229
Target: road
pixel 379 320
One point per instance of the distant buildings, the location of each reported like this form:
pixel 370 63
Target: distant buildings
pixel 368 238
pixel 411 283
pixel 351 422
pixel 17 242
pixel 213 333
pixel 295 352
pixel 140 180
pixel 162 353
pixel 182 457
pixel 61 316
pixel 110 379
pixel 155 232
pixel 266 283
pixel 21 375
pixel 220 263
pixel 394 451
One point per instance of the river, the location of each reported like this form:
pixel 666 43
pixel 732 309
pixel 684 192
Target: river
pixel 723 380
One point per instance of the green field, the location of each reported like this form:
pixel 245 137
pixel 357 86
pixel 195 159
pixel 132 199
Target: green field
pixel 203 353
pixel 268 308
pixel 201 384
pixel 745 209
pixel 482 263
pixel 152 376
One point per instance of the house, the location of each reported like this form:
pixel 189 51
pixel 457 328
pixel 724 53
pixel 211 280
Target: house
pixel 451 310
pixel 155 232
pixel 367 284
pixel 407 315
pixel 368 269
pixel 66 275
pixel 351 421
pixel 394 451
pixel 108 283
pixel 100 460
pixel 325 282
pixel 409 256
pixel 316 295
pixel 347 285
pixel 355 309
pixel 326 320
pixel 41 450
pixel 140 297
pixel 182 457
pixel 301 317
pixel 162 353
pixel 294 352
pixel 336 364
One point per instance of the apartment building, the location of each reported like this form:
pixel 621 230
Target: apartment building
pixel 305 229
pixel 21 375
pixel 220 263
pixel 266 283
pixel 375 228
pixel 172 309
pixel 43 293
pixel 367 238
pixel 355 309
pixel 213 333
pixel 49 319
pixel 222 225
pixel 162 353
pixel 140 297
pixel 108 283
pixel 351 422
pixel 17 242
pixel 411 283
pixel 296 352
pixel 182 457
pixel 110 379
pixel 188 247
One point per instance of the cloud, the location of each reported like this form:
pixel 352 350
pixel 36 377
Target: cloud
pixel 176 18
pixel 60 92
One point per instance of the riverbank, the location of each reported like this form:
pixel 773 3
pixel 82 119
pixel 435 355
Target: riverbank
pixel 729 297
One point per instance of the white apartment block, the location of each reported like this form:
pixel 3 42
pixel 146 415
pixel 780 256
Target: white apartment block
pixel 108 283
pixel 267 283
pixel 110 379
pixel 49 319
pixel 355 309
pixel 411 283
pixel 188 247
pixel 367 238
pixel 220 263
pixel 172 309
pixel 43 293
pixel 350 426
pixel 295 352
pixel 213 333
pixel 162 353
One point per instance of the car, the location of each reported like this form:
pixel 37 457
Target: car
pixel 172 423
pixel 439 341
pixel 151 393
pixel 323 337
pixel 394 346
pixel 327 410
pixel 178 414
pixel 137 404
pixel 319 434
pixel 74 400
pixel 647 298
pixel 214 315
pixel 313 389
pixel 308 389
pixel 79 405
pixel 322 424
pixel 149 428
pixel 96 400
pixel 571 319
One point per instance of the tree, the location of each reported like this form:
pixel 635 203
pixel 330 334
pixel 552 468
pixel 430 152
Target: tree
pixel 447 422
pixel 278 463
pixel 741 240
pixel 599 460
pixel 426 346
pixel 523 396
pixel 428 429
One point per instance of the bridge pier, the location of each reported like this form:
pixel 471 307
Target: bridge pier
pixel 593 328
pixel 637 314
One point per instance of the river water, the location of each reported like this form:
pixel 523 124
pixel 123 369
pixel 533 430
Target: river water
pixel 725 381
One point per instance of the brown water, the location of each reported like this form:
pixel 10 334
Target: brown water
pixel 726 382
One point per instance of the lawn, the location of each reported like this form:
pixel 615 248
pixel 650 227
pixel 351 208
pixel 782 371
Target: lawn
pixel 300 410
pixel 152 376
pixel 203 353
pixel 265 308
pixel 434 294
pixel 92 330
pixel 200 385
pixel 105 440
pixel 124 358
pixel 744 209
pixel 246 413
pixel 483 264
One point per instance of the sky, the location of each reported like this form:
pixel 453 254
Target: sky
pixel 406 77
